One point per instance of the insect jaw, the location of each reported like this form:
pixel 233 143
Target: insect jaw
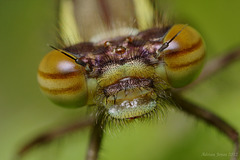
pixel 126 84
pixel 132 97
pixel 129 103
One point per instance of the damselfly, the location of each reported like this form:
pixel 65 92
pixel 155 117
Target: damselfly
pixel 126 61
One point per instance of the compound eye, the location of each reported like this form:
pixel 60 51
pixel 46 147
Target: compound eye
pixel 62 80
pixel 184 56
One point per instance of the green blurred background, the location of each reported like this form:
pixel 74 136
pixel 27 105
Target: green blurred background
pixel 26 27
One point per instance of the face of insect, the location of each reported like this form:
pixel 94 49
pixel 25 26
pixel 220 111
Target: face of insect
pixel 26 114
pixel 126 76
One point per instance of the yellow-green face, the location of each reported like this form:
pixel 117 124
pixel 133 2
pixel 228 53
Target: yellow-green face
pixel 126 76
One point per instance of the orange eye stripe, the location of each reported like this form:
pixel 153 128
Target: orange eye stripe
pixel 59 75
pixel 182 66
pixel 194 47
pixel 186 57
pixel 58 91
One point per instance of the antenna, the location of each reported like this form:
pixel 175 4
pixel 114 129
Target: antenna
pixel 166 44
pixel 77 60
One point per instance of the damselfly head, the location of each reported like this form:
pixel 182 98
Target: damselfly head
pixel 126 76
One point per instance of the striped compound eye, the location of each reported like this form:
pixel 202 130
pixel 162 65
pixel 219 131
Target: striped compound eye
pixel 184 57
pixel 62 80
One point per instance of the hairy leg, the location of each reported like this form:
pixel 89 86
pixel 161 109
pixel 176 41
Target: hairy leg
pixel 95 141
pixel 52 135
pixel 214 66
pixel 210 118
